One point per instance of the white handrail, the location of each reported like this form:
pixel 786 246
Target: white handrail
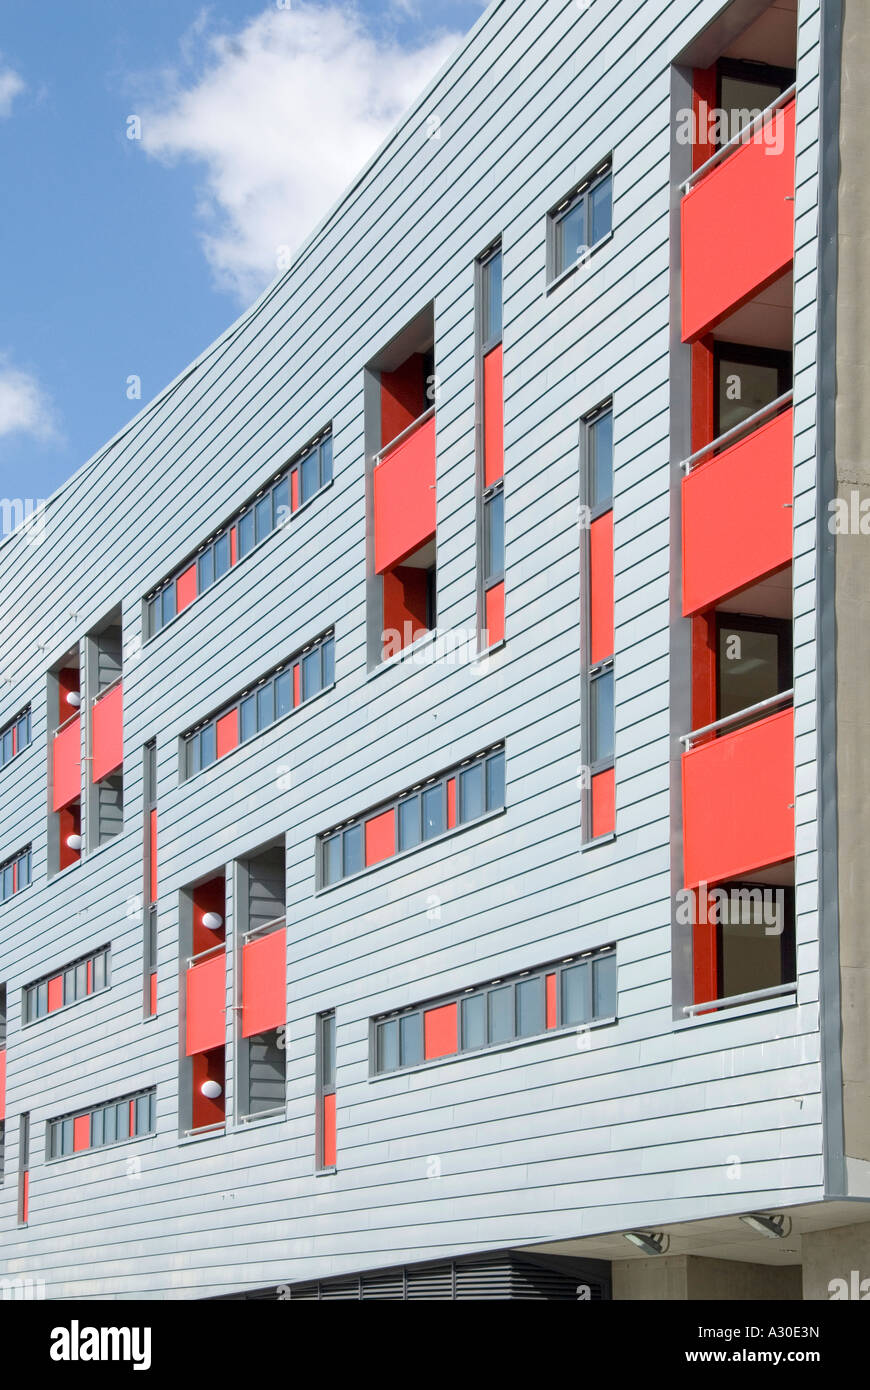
pixel 265 927
pixel 745 427
pixel 409 429
pixel 772 993
pixel 740 138
pixel 737 717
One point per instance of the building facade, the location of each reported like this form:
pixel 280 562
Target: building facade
pixel 432 780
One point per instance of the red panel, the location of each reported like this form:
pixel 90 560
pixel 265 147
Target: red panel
pixel 738 227
pixel 264 983
pixel 185 588
pixel 493 417
pixel 495 614
pixel 55 993
pixel 132 1118
pixel 737 526
pixel 234 546
pixel 402 397
pixel 208 897
pixel 440 1033
pixel 703 102
pixel 107 725
pixel 551 1001
pixel 451 803
pixel 2 1083
pixel 381 836
pixel 152 998
pixel 601 588
pixel 404 490
pixel 294 490
pixel 704 956
pixel 227 732
pixel 90 977
pixel 68 680
pixel 738 795
pixel 66 765
pixel 703 393
pixel 25 1195
pixel 206 1004
pixel 404 608
pixel 81 1133
pixel 329 1138
pixel 297 684
pixel 152 856
pixel 208 1066
pixel 604 803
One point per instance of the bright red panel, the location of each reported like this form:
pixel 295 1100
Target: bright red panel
pixel 738 227
pixel 152 994
pixel 234 545
pixel 208 1066
pixel 451 803
pixel 601 588
pixel 402 397
pixel 107 728
pixel 81 1133
pixel 264 983
pixel 329 1135
pixel 381 836
pixel 208 897
pixel 227 732
pixel 738 801
pixel 294 490
pixel 493 416
pixel 66 765
pixel 297 685
pixel 25 1195
pixel 206 1004
pixel 185 588
pixel 90 977
pixel 404 493
pixel 495 614
pixel 152 856
pixel 440 1031
pixel 604 803
pixel 737 518
pixel 704 953
pixel 551 1001
pixel 405 615
pixel 55 993
pixel 2 1083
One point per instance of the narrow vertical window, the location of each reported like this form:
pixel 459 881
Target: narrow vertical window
pixel 326 1136
pixel 23 1167
pixel 490 388
pixel 149 982
pixel 599 808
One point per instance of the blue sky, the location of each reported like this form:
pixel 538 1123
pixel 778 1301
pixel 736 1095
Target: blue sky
pixel 124 257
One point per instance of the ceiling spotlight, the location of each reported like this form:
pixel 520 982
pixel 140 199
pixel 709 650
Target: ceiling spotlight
pixel 652 1242
pixel 774 1226
pixel 213 920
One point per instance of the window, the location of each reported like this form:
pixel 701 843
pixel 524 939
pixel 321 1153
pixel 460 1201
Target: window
pixel 754 660
pixel 596 489
pixel 745 89
pixel 747 379
pixel 755 937
pixel 581 221
pixel 306 674
pixel 575 992
pixel 129 1117
pixel 490 449
pixel 306 475
pixel 15 874
pixel 325 1064
pixel 462 795
pixel 493 534
pixel 14 737
pixel 491 299
pixel 83 977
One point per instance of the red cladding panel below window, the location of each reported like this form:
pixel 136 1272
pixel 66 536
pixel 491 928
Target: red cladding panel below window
pixel 551 1001
pixel 206 1004
pixel 604 803
pixel 329 1136
pixel 737 518
pixel 3 1084
pixel 601 588
pixel 264 983
pixel 55 993
pixel 66 752
pixel 227 732
pixel 440 1031
pixel 185 588
pixel 81 1133
pixel 107 724
pixel 738 801
pixel 738 226
pixel 493 416
pixel 404 496
pixel 25 1195
pixel 152 995
pixel 495 614
pixel 381 837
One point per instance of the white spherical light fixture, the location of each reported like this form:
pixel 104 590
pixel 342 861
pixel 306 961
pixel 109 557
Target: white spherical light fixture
pixel 74 842
pixel 211 1089
pixel 213 920
pixel 73 698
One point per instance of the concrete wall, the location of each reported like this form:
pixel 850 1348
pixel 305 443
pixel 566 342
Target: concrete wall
pixel 832 1259
pixel 677 1278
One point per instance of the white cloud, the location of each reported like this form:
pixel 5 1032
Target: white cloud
pixel 282 115
pixel 24 406
pixel 11 86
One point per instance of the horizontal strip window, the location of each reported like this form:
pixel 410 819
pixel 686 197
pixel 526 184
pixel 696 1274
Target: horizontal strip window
pixel 306 475
pixel 81 978
pixel 461 795
pixel 14 737
pixel 571 993
pixel 15 874
pixel 129 1117
pixel 580 222
pixel 307 673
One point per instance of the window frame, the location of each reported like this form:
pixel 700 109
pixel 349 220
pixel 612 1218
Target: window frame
pixel 11 727
pixel 591 672
pixel 55 1125
pixel 36 988
pixel 325 1079
pixel 21 856
pixel 579 195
